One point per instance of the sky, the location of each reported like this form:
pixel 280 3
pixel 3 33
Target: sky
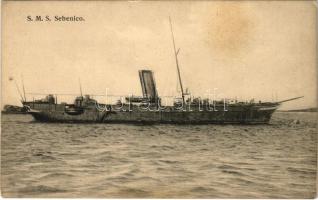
pixel 264 50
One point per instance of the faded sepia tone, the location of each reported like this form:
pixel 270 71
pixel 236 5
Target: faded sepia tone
pixel 246 49
pixel 255 53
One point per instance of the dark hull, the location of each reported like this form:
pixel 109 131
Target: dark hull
pixel 238 115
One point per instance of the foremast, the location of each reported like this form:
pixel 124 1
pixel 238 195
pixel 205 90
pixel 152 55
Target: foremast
pixel 177 63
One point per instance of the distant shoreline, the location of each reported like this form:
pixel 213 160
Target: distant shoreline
pixel 11 109
pixel 12 113
pixel 300 110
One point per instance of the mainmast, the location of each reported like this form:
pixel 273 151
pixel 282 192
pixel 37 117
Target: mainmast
pixel 177 63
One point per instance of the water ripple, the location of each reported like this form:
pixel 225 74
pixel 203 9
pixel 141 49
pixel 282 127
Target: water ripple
pixel 159 161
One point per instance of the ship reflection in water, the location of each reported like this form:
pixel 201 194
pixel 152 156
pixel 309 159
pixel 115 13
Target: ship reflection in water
pixel 159 161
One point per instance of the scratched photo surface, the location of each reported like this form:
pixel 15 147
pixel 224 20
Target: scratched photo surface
pixel 248 51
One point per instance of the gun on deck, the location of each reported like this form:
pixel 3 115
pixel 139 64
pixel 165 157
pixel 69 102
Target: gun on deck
pixel 289 99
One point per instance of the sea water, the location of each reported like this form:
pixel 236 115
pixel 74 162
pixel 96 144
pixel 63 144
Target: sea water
pixel 278 160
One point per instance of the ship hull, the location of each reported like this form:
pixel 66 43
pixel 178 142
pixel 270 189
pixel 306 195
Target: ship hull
pixel 235 115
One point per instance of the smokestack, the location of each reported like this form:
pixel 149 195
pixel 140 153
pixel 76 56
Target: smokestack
pixel 148 84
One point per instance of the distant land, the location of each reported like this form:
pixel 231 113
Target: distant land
pixel 11 109
pixel 301 110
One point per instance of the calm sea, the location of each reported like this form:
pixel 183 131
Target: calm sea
pixel 160 161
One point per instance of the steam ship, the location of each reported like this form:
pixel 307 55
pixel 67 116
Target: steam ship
pixel 148 108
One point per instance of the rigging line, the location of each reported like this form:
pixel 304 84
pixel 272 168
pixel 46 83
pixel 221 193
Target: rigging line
pixel 79 80
pixel 23 88
pixel 16 85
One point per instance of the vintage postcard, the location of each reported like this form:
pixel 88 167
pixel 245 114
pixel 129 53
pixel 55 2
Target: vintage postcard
pixel 159 99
